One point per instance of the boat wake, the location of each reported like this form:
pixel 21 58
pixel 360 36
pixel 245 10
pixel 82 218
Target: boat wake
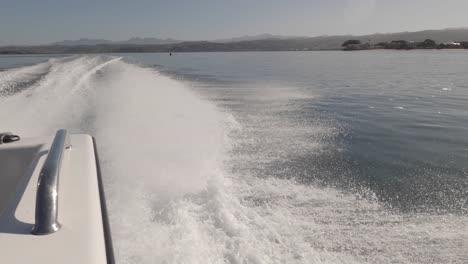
pixel 172 194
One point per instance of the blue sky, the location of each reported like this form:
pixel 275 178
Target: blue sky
pixel 26 22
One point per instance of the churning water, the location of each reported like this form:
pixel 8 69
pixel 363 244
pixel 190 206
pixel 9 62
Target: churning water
pixel 316 157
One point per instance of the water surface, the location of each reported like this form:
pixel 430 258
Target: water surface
pixel 268 157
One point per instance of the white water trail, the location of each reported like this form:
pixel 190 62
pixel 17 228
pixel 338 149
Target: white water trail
pixel 163 150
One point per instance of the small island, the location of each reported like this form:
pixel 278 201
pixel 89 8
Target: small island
pixel 355 44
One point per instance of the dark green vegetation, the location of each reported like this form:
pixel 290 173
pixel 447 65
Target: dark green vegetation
pixel 404 45
pixel 267 44
pixel 351 42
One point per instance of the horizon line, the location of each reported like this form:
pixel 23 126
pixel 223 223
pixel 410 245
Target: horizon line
pixel 228 38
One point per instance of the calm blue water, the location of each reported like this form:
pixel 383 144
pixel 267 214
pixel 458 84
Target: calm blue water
pixel 16 61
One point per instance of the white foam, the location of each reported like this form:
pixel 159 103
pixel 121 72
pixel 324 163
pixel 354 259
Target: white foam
pixel 12 77
pixel 164 153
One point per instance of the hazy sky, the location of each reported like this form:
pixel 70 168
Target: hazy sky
pixel 44 21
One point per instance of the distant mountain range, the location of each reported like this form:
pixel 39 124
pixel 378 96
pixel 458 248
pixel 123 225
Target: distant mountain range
pixel 159 41
pixel 132 41
pixel 254 37
pixel 442 35
pixel 264 42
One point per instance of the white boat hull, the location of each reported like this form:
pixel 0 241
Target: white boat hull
pixel 84 235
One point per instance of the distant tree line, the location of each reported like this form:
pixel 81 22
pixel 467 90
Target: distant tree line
pixel 351 42
pixel 354 44
pixel 293 44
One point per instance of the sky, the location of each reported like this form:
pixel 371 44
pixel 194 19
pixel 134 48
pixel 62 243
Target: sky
pixel 30 22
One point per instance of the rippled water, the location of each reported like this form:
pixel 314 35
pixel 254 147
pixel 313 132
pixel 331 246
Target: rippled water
pixel 271 157
pixel 393 122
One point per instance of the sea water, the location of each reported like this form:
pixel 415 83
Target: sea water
pixel 269 157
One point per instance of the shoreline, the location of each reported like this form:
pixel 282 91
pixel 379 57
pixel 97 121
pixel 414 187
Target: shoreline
pixel 216 51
